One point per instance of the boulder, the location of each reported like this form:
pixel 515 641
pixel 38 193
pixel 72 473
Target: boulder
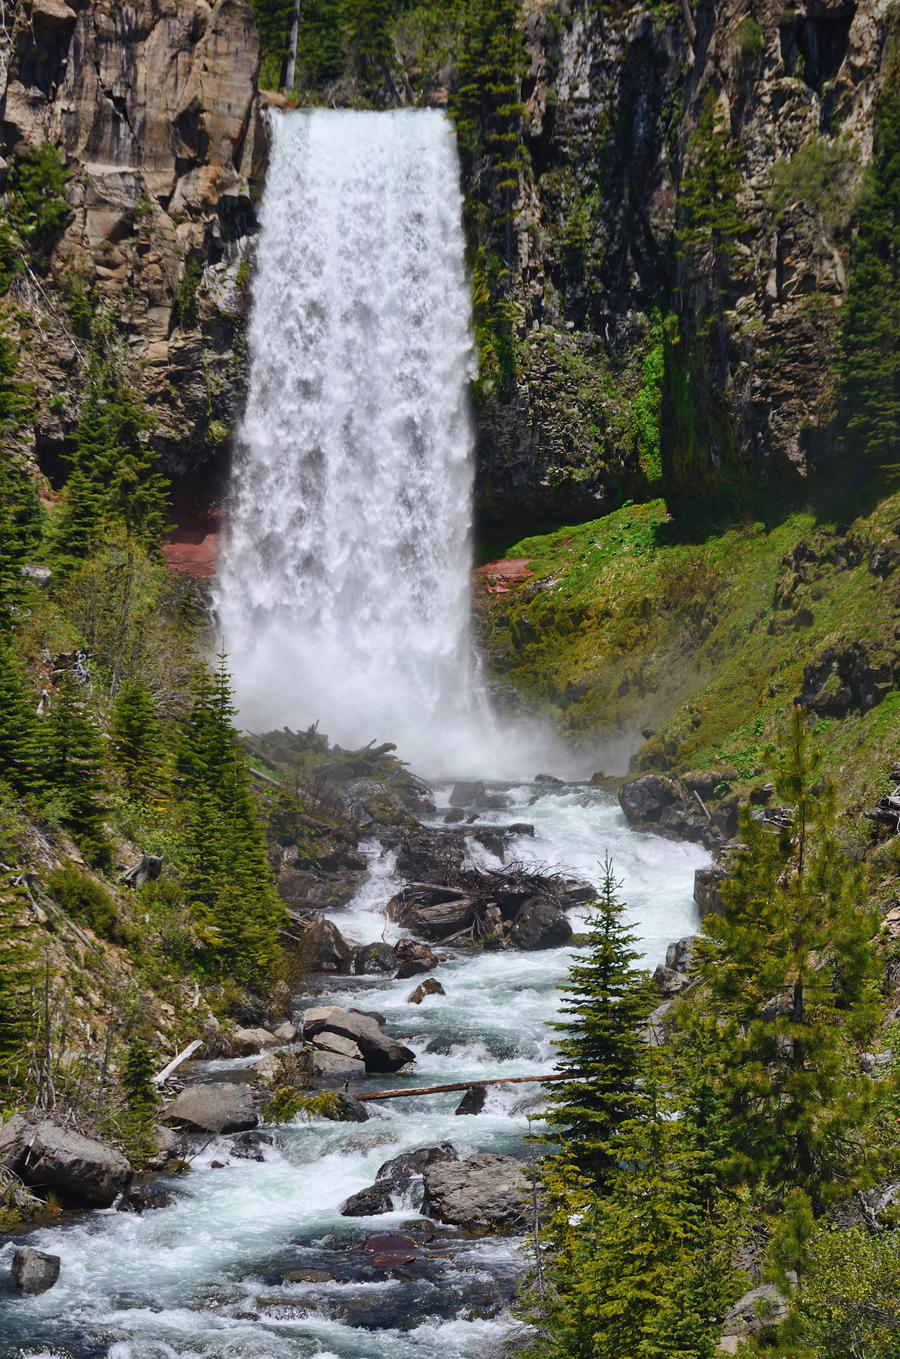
pixel 330 1070
pixel 338 1044
pixel 486 1192
pixel 141 1198
pixel 472 1101
pixel 413 958
pixel 219 1107
pixel 380 1053
pixel 757 1310
pixel 33 1271
pixel 373 960
pixel 429 987
pixel 286 1033
pixel 680 956
pixel 394 1177
pixel 246 1042
pixel 540 923
pixel 350 1110
pixel 708 889
pixel 81 1171
pixel 645 799
pixel 668 982
pixel 323 947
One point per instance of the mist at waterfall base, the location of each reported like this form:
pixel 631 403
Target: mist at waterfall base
pixel 344 595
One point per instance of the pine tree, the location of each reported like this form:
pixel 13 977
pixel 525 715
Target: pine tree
pixel 870 330
pixel 367 33
pixel 71 763
pixel 17 725
pixel 227 876
pixel 792 978
pixel 19 506
pixel 39 206
pixel 18 979
pixel 114 478
pixel 137 739
pixel 602 1046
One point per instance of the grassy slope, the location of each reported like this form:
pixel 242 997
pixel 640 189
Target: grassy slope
pixel 624 627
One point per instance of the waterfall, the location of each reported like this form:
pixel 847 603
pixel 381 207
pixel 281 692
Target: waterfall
pixel 344 591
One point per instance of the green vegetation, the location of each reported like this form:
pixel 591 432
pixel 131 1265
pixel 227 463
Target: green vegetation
pixel 625 625
pixel 870 357
pixel 819 174
pixel 750 37
pixel 288 1103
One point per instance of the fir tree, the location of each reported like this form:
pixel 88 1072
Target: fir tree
pixel 114 478
pixel 227 874
pixel 603 1040
pixel 17 725
pixel 39 206
pixel 367 33
pixel 792 979
pixel 870 331
pixel 18 979
pixel 136 739
pixel 72 759
pixel 19 506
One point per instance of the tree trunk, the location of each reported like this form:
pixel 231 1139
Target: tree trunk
pixel 291 75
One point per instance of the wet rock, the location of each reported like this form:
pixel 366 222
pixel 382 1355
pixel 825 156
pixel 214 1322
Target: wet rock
pixel 373 960
pixel 410 1163
pixel 323 948
pixel 142 1198
pixel 413 958
pixel 249 1146
pixel 218 1107
pixel 350 1110
pixel 380 1053
pixel 550 779
pixel 540 923
pixel 454 816
pixel 430 987
pixel 472 1101
pixel 370 1202
pixel 390 1250
pixel 475 796
pixel 646 798
pixel 486 1192
pixel 246 1042
pixel 33 1271
pixel 311 1276
pixel 81 1171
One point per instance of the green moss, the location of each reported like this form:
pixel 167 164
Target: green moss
pixel 625 626
pixel 288 1103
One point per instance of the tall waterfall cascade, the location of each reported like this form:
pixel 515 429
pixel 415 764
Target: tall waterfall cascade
pixel 344 593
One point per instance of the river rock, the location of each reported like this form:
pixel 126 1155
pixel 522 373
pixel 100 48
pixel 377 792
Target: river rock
pixel 82 1171
pixel 287 1033
pixel 394 1178
pixel 330 1070
pixel 370 1202
pixel 540 924
pixel 486 1192
pixel 645 799
pixel 33 1271
pixel 380 1053
pixel 413 958
pixel 217 1107
pixel 337 1043
pixel 246 1042
pixel 472 1101
pixel 141 1198
pixel 323 948
pixel 429 987
pixel 373 960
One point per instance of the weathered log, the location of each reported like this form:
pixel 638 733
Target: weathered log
pixel 176 1061
pixel 462 1085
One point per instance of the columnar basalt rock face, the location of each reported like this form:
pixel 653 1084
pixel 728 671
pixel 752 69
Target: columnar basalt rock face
pixel 154 107
pixel 611 102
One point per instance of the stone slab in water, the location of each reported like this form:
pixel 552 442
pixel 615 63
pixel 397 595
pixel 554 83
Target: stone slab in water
pixel 33 1271
pixel 483 1193
pixel 219 1107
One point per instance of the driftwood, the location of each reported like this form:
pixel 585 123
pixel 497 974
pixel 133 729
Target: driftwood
pixel 176 1062
pixel 462 1085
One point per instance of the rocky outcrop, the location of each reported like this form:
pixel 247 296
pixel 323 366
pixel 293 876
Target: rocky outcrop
pixel 154 108
pixel 217 1107
pixel 483 1193
pixel 395 1178
pixel 81 1171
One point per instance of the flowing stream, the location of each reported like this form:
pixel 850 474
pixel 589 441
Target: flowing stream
pixel 344 598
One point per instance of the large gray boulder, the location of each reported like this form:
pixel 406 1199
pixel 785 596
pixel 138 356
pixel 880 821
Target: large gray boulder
pixel 33 1271
pixel 380 1053
pixel 486 1192
pixel 81 1171
pixel 645 799
pixel 323 947
pixel 540 923
pixel 219 1107
pixel 332 1070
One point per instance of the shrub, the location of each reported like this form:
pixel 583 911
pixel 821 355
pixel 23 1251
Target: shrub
pixel 83 898
pixel 750 37
pixel 819 175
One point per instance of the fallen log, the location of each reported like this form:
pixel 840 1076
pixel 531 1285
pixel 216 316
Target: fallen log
pixel 462 1085
pixel 176 1061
